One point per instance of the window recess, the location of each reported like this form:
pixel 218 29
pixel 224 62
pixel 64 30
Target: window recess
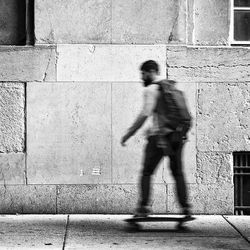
pixel 240 22
pixel 16 22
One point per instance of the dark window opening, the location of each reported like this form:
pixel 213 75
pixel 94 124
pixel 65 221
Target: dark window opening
pixel 242 25
pixel 241 183
pixel 241 3
pixel 16 22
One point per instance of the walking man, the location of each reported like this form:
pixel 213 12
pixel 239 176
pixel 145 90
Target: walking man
pixel 165 105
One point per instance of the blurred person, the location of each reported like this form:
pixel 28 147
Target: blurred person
pixel 166 107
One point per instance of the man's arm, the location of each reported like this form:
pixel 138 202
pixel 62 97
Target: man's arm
pixel 132 130
pixel 149 102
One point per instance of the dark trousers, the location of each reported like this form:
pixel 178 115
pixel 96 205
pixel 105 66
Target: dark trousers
pixel 152 157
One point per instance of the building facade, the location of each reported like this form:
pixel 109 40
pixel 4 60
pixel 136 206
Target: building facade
pixel 66 101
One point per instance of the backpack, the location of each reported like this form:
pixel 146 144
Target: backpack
pixel 172 109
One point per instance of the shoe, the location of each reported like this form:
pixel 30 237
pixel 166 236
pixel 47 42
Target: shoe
pixel 142 212
pixel 187 212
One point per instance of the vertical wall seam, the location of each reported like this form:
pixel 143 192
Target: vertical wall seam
pixel 56 198
pixel 167 66
pixel 193 30
pixel 187 22
pixel 111 127
pixel 111 35
pixel 167 205
pixel 164 160
pixel 48 64
pixel 25 132
pixel 66 232
pixel 57 57
pixel 230 22
pixel 196 126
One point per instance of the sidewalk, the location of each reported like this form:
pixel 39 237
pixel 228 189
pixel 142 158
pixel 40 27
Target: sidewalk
pixel 108 231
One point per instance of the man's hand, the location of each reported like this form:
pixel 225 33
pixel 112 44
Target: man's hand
pixel 124 139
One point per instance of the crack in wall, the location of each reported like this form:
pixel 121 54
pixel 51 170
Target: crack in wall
pixel 219 170
pixel 163 171
pixel 66 233
pixel 47 67
pixel 57 193
pixel 171 36
pixel 56 61
pixel 25 134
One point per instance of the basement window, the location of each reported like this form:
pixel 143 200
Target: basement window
pixel 240 22
pixel 16 22
pixel 241 166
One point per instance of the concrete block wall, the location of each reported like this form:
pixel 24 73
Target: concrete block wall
pixel 66 102
pixel 221 75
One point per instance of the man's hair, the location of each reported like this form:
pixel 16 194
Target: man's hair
pixel 149 65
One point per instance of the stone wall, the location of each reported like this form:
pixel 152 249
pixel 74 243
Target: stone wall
pixel 133 22
pixel 108 21
pixel 222 119
pixel 118 22
pixel 66 102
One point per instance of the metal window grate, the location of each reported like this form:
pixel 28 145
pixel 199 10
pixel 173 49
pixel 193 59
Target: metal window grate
pixel 241 183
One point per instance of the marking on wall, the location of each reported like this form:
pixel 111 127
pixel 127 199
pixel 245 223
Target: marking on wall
pixel 81 172
pixel 96 171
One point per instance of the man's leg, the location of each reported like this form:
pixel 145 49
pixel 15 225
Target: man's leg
pixel 152 157
pixel 177 171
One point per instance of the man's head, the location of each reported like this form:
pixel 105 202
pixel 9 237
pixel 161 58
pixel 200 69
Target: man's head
pixel 149 71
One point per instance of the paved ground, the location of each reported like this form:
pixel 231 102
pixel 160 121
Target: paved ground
pixel 109 232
